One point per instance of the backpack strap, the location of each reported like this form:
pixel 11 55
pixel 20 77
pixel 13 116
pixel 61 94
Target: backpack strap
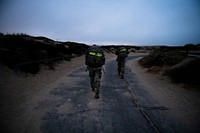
pixel 95 57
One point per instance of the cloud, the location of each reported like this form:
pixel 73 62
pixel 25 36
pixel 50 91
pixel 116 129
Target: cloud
pixel 130 21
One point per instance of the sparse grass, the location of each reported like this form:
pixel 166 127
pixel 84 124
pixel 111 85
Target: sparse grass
pixel 188 73
pixel 21 48
pixel 161 58
pixel 166 63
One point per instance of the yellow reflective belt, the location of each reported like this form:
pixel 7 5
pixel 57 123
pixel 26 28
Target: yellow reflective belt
pixel 123 49
pixel 99 54
pixel 96 54
pixel 92 53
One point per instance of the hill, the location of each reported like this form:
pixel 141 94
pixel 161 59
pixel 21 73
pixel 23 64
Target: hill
pixel 26 53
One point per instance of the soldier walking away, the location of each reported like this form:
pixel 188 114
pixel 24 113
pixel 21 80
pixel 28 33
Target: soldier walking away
pixel 121 53
pixel 95 59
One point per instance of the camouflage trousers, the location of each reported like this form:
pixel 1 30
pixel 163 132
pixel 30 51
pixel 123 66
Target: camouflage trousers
pixel 95 78
pixel 121 67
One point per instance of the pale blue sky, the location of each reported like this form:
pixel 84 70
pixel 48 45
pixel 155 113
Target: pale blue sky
pixel 135 22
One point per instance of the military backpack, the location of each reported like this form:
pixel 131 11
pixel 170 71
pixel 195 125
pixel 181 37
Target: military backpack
pixel 95 57
pixel 122 53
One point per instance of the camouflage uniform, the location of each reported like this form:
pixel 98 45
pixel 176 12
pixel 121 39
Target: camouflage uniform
pixel 95 68
pixel 121 61
pixel 95 78
pixel 121 67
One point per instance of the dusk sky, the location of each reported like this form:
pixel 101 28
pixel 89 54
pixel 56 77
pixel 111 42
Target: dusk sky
pixel 130 22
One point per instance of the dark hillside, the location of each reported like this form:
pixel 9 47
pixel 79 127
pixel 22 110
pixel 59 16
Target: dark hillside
pixel 16 50
pixel 76 48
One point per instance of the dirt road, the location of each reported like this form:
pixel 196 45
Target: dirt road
pixel 125 105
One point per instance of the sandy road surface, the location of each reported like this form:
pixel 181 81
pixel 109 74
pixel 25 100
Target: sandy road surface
pixel 52 107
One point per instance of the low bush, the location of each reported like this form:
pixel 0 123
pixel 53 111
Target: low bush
pixel 188 73
pixel 175 65
pixel 162 58
pixel 19 49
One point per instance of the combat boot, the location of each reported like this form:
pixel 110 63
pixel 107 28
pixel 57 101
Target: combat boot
pixel 119 73
pixel 96 95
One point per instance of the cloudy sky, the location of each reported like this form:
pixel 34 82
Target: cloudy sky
pixel 135 22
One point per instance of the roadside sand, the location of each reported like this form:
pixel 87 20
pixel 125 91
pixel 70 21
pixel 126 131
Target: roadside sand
pixel 183 104
pixel 17 84
pixel 20 92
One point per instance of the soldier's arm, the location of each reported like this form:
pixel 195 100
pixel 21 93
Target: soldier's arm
pixel 86 54
pixel 117 52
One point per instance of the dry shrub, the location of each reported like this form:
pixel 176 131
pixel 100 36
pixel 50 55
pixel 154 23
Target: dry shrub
pixel 161 58
pixel 153 59
pixel 155 69
pixel 188 73
pixel 175 65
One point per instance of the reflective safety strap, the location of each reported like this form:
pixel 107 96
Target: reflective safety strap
pixel 92 53
pixel 99 54
pixel 96 54
pixel 122 50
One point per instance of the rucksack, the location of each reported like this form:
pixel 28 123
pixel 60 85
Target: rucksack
pixel 95 57
pixel 122 53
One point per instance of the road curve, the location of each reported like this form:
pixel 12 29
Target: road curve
pixel 123 107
